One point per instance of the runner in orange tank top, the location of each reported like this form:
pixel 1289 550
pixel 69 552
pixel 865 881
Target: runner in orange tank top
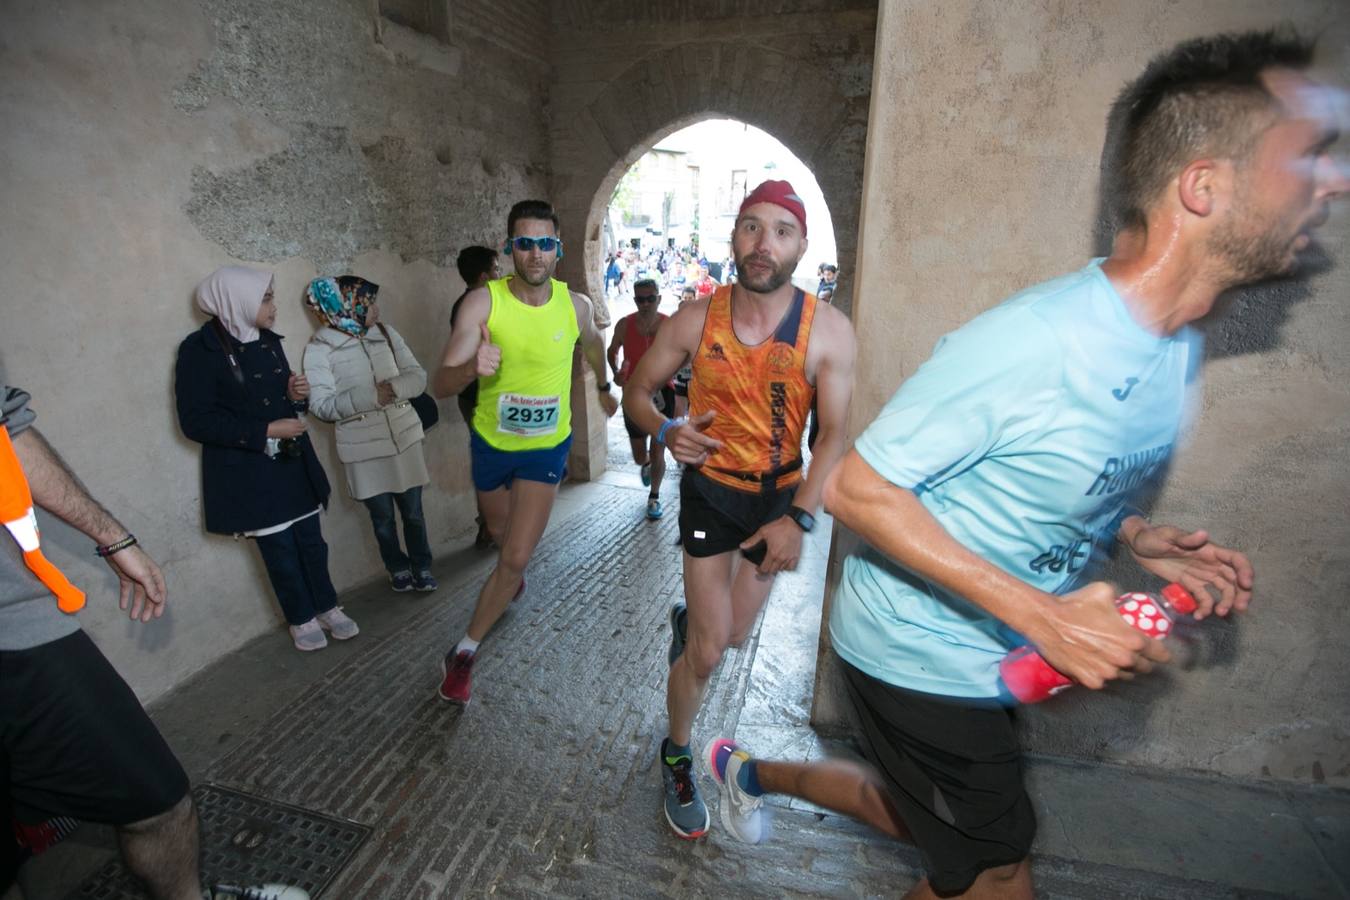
pixel 759 350
pixel 759 393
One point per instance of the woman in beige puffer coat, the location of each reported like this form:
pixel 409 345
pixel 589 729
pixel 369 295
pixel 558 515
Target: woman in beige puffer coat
pixel 362 377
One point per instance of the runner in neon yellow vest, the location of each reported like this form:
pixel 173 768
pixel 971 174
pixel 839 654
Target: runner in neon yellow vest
pixel 516 336
pixel 525 404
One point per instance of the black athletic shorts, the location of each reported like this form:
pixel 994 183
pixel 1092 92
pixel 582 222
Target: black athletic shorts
pixel 955 773
pixel 75 741
pixel 666 407
pixel 715 518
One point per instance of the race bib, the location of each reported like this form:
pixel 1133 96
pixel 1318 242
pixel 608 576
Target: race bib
pixel 527 416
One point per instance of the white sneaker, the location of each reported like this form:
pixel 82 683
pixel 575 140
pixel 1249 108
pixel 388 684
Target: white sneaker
pixel 308 636
pixel 257 892
pixel 743 815
pixel 339 623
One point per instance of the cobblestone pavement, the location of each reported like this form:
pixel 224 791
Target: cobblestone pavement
pixel 546 785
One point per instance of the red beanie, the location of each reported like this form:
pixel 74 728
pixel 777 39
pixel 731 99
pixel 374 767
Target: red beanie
pixel 779 193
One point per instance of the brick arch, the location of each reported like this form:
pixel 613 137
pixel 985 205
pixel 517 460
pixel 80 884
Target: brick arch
pixel 601 129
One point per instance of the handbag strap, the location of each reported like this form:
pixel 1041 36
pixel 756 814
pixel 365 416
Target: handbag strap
pixel 224 337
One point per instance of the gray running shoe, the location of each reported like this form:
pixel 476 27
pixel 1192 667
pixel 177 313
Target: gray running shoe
pixel 685 812
pixel 679 631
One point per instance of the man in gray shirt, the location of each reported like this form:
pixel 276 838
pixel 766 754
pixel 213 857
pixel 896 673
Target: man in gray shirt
pixel 74 740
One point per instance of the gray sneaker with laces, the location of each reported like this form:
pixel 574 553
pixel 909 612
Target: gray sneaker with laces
pixel 685 812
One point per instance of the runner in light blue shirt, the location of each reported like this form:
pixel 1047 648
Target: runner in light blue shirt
pixel 1024 435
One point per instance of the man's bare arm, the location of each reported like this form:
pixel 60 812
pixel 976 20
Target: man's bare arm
pixel 459 364
pixel 1080 633
pixel 593 348
pixel 57 490
pixel 615 345
pixel 592 339
pixel 834 390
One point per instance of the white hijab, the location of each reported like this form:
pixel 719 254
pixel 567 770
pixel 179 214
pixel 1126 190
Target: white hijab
pixel 234 295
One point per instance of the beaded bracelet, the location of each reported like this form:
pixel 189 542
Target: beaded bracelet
pixel 115 547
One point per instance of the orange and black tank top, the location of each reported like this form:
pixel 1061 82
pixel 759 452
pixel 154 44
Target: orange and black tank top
pixel 760 394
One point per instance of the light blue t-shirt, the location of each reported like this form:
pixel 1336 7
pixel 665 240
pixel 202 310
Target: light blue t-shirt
pixel 1024 435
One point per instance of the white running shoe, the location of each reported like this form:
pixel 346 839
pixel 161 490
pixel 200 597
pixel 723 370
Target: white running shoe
pixel 339 623
pixel 743 815
pixel 257 892
pixel 308 636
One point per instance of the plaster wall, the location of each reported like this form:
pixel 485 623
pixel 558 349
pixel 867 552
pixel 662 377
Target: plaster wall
pixel 981 178
pixel 147 143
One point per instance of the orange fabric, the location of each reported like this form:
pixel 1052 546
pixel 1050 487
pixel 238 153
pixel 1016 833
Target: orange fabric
pixel 16 512
pixel 760 393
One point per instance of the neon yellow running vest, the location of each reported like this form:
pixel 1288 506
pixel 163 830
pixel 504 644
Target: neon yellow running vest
pixel 527 404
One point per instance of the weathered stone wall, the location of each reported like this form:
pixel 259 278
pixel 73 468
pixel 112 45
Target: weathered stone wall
pixel 628 74
pixel 147 143
pixel 982 165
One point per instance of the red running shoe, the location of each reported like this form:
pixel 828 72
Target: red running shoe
pixel 457 676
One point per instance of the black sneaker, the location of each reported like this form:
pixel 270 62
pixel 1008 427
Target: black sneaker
pixel 483 540
pixel 679 631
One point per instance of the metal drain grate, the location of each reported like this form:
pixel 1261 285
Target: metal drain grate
pixel 251 840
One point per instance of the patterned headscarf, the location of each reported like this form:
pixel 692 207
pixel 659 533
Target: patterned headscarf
pixel 233 294
pixel 342 302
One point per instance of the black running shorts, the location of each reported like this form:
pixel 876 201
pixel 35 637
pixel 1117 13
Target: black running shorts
pixel 955 773
pixel 715 518
pixel 75 741
pixel 666 407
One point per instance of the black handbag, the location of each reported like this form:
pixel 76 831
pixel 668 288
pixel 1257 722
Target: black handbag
pixel 427 410
pixel 423 403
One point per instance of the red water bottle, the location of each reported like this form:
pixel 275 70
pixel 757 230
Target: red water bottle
pixel 1031 679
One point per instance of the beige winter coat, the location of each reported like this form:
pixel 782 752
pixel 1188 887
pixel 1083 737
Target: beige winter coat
pixel 343 371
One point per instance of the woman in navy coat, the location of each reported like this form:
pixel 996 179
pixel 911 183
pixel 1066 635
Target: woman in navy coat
pixel 239 399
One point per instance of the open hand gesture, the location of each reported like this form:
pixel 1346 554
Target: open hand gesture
pixel 689 444
pixel 142 592
pixel 1197 564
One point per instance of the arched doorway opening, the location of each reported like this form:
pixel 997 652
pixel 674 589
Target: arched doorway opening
pixel 666 209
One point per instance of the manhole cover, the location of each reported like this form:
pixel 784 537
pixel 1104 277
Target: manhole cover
pixel 251 840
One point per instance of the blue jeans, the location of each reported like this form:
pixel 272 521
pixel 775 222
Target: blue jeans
pixel 381 506
pixel 297 565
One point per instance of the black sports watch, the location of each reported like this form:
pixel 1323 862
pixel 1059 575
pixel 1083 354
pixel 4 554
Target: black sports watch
pixel 603 388
pixel 805 521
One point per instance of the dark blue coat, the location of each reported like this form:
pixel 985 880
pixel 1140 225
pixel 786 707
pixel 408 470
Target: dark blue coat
pixel 242 488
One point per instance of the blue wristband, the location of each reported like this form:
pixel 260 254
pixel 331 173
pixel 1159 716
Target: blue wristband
pixel 667 425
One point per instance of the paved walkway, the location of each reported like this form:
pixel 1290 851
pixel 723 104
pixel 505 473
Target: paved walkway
pixel 546 785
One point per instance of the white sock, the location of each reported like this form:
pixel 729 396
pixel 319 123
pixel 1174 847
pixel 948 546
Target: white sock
pixel 468 644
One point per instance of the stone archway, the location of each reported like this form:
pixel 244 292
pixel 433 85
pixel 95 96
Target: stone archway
pixel 657 94
pixel 618 91
pixel 799 174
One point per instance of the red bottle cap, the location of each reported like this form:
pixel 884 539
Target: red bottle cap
pixel 1179 598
